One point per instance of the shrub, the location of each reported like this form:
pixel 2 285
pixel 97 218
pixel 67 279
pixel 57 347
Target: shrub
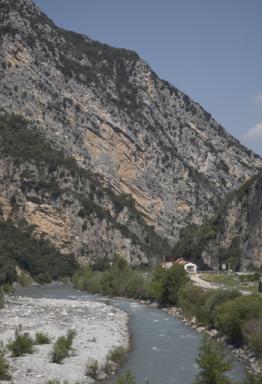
pixel 22 344
pixel 42 338
pixel 216 298
pixel 118 280
pixel 192 300
pixel 166 284
pixel 231 317
pixel 252 331
pixel 252 277
pixel 213 363
pixel 4 366
pixel 92 368
pixel 8 288
pixel 117 355
pixel 24 279
pixel 62 347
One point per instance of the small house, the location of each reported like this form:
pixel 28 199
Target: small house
pixel 190 267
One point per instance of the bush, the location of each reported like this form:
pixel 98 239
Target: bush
pixel 213 363
pixel 62 347
pixel 192 301
pixel 92 368
pixel 252 331
pixel 166 284
pixel 252 277
pixel 117 355
pixel 216 298
pixel 42 338
pixel 118 280
pixel 4 366
pixel 22 344
pixel 24 279
pixel 231 317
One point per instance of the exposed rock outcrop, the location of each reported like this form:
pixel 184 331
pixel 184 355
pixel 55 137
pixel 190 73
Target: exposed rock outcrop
pixel 70 206
pixel 233 235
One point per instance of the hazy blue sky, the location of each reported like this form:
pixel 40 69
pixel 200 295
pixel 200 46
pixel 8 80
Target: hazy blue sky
pixel 210 49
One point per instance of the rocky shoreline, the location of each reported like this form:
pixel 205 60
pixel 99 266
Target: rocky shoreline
pixel 100 328
pixel 253 365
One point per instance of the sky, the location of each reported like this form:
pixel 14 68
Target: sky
pixel 210 49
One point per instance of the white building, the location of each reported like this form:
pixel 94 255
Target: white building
pixel 190 268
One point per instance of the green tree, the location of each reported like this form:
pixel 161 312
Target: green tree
pixel 231 317
pixel 213 363
pixel 216 298
pixel 166 284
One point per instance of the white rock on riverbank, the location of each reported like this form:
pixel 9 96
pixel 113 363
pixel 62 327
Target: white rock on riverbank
pixel 99 328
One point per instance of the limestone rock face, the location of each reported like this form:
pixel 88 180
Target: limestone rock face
pixel 240 231
pixel 71 207
pixel 109 111
pixel 232 236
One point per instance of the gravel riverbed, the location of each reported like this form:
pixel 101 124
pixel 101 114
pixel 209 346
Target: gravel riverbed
pixel 99 329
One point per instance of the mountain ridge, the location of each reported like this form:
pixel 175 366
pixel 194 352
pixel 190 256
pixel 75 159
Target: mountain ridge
pixel 109 111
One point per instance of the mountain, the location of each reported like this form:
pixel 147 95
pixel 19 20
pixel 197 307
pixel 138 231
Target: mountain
pixel 233 235
pixel 69 205
pixel 143 153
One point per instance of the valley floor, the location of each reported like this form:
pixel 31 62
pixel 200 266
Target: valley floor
pixel 99 329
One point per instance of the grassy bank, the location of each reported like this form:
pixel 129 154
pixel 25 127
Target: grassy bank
pixel 247 282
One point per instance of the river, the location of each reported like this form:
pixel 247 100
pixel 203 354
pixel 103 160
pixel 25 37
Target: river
pixel 163 348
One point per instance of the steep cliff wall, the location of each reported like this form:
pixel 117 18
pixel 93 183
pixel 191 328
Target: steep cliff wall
pixel 70 206
pixel 106 108
pixel 233 235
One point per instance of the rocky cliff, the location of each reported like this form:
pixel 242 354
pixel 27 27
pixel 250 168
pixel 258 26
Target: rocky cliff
pixel 233 235
pixel 106 108
pixel 71 206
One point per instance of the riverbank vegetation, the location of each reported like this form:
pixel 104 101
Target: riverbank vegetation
pixel 119 279
pixel 22 343
pixel 4 365
pixel 237 318
pixel 213 363
pixel 42 338
pixel 62 347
